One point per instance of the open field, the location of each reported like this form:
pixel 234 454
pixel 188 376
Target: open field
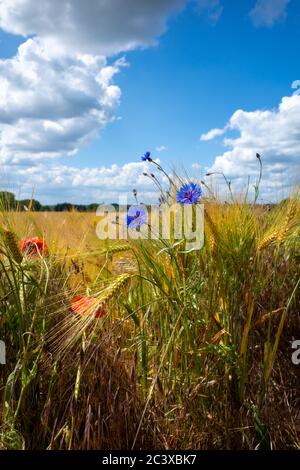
pixel 188 350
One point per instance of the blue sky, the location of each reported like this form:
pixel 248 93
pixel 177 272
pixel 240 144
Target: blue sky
pixel 204 61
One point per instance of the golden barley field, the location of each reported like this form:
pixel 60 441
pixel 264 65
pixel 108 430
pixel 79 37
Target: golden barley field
pixel 140 344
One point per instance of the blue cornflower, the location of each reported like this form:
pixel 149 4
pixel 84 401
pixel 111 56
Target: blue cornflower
pixel 189 193
pixel 146 157
pixel 136 216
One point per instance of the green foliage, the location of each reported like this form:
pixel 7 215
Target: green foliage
pixel 190 354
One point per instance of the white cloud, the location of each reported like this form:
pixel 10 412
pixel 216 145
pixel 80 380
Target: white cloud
pixel 57 92
pixel 212 134
pixel 57 183
pixel 296 86
pixel 268 12
pixel 99 27
pixel 161 148
pixel 51 106
pixel 212 8
pixel 196 166
pixel 275 134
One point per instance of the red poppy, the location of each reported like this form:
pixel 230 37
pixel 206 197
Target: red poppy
pixel 84 304
pixel 33 246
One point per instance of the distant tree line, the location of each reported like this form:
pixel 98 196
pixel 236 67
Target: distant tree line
pixel 8 202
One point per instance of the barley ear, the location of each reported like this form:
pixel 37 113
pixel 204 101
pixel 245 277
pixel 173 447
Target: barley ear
pixel 118 249
pixel 12 246
pixel 114 288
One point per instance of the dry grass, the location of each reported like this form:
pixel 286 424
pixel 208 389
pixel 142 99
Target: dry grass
pixel 194 351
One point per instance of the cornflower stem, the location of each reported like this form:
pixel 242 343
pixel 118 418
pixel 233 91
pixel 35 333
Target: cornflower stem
pixel 256 186
pixel 164 172
pixel 159 186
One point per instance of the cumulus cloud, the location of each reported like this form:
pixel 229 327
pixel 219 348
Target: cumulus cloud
pixel 51 106
pixel 275 134
pixel 55 182
pixel 100 27
pixel 212 134
pixel 196 166
pixel 268 12
pixel 58 91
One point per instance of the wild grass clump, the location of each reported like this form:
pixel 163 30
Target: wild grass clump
pixel 167 348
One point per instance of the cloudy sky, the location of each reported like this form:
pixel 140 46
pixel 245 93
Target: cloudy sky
pixel 87 87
